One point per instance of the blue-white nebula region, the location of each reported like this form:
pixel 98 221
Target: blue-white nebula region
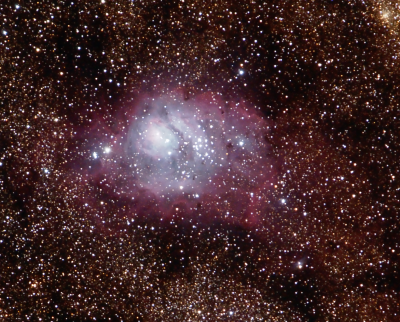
pixel 198 151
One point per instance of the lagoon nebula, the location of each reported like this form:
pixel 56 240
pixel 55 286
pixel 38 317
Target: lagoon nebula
pixel 199 160
pixel 200 152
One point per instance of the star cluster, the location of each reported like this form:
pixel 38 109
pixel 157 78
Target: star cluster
pixel 199 160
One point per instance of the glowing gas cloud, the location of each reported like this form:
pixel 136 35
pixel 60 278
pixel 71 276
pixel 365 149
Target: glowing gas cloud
pixel 203 150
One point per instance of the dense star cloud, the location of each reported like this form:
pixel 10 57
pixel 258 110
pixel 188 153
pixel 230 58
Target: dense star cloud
pixel 199 161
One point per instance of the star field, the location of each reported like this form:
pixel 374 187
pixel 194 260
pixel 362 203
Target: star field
pixel 199 161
